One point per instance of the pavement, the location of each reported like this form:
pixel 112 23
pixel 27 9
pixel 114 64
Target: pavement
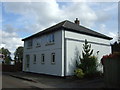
pixel 47 81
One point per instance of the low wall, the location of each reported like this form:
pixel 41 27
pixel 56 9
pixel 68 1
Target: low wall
pixel 12 68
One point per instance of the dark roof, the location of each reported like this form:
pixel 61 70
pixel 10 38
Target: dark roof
pixel 70 26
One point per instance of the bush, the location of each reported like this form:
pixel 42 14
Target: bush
pixel 79 73
pixel 94 75
pixel 88 62
pixel 92 67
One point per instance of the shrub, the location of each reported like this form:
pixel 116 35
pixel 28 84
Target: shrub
pixel 88 62
pixel 79 73
pixel 92 67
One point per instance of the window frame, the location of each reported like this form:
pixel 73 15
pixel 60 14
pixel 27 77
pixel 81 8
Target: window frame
pixel 34 59
pixel 52 61
pixel 50 39
pixel 43 59
pixel 29 44
pixel 38 42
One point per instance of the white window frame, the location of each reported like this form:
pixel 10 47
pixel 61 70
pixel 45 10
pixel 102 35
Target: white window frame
pixel 34 59
pixel 29 44
pixel 38 42
pixel 50 39
pixel 42 61
pixel 52 61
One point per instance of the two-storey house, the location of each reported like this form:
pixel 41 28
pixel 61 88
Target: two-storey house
pixel 54 51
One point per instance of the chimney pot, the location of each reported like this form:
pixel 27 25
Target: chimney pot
pixel 77 21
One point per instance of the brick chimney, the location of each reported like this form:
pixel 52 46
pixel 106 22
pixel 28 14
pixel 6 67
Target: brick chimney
pixel 77 21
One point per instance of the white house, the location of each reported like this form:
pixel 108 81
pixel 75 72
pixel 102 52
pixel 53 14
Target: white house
pixel 54 51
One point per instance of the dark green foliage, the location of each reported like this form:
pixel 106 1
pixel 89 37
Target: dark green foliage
pixel 87 63
pixel 19 54
pixel 92 65
pixel 8 59
pixel 6 53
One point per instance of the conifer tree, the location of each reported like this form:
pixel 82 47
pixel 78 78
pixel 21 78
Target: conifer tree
pixel 86 53
pixel 88 62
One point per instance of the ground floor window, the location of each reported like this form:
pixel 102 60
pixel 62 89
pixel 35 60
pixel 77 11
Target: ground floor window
pixel 42 58
pixel 34 61
pixel 53 58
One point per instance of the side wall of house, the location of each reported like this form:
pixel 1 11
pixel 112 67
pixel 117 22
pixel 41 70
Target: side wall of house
pixel 47 50
pixel 74 46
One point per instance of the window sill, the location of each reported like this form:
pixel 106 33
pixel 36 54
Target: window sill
pixel 52 43
pixel 38 46
pixel 53 63
pixel 42 63
pixel 29 47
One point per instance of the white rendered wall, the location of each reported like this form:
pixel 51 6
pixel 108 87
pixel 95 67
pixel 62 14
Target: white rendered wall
pixel 47 67
pixel 74 46
pixel 63 53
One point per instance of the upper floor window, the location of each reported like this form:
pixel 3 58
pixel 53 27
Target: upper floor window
pixel 50 39
pixel 29 44
pixel 38 42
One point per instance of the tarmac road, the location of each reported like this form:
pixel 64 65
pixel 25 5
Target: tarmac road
pixel 43 82
pixel 11 82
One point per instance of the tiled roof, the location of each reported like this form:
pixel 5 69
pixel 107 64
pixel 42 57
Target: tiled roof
pixel 70 26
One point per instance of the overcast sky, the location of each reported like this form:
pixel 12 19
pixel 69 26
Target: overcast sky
pixel 20 19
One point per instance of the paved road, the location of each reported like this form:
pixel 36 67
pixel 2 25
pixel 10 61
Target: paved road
pixel 11 82
pixel 49 82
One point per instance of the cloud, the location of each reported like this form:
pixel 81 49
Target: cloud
pixel 10 41
pixel 102 16
pixel 36 16
pixel 45 14
pixel 102 28
pixel 40 15
pixel 113 6
pixel 81 10
pixel 8 28
pixel 17 7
